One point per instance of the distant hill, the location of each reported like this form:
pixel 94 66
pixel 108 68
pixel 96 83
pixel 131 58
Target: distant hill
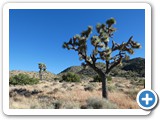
pixel 46 75
pixel 130 68
pixel 136 65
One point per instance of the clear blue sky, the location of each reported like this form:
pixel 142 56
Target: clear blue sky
pixel 37 35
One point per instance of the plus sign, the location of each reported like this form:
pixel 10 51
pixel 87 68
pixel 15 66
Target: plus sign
pixel 147 99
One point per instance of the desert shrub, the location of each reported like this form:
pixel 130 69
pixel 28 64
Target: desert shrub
pixel 65 85
pixel 50 92
pixel 115 72
pixel 43 97
pixel 120 85
pixel 141 82
pixel 56 79
pixel 97 78
pixel 71 105
pixel 83 106
pixel 22 91
pixel 22 79
pixel 46 86
pixel 55 83
pixel 130 74
pixel 109 78
pixel 69 89
pixel 89 87
pixel 57 104
pixel 55 90
pixel 111 88
pixel 71 77
pixel 34 92
pixel 98 103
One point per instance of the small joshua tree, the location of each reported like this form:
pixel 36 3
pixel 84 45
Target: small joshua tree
pixel 101 50
pixel 42 67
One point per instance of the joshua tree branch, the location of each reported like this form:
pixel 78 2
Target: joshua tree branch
pixel 92 65
pixel 107 66
pixel 117 62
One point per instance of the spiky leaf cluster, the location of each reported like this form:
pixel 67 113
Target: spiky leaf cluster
pixel 42 66
pixel 78 43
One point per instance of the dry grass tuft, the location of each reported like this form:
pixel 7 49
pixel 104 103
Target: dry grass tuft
pixel 123 101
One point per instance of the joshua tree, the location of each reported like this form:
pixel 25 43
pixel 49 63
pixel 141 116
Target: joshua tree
pixel 102 50
pixel 42 67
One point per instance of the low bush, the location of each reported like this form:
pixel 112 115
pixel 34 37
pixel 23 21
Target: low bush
pixel 141 82
pixel 89 88
pixel 130 74
pixel 109 78
pixel 57 104
pixel 22 79
pixel 71 105
pixel 97 78
pixel 71 77
pixel 98 103
pixel 111 88
pixel 56 79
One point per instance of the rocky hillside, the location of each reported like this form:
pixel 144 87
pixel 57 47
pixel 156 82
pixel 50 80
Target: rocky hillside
pixel 131 68
pixel 136 65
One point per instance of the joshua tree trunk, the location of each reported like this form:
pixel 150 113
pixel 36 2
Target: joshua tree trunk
pixel 40 75
pixel 104 86
pixel 104 80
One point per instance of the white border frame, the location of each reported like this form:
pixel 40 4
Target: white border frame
pixel 8 6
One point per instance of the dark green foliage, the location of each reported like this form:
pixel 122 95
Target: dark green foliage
pixel 57 104
pixel 110 22
pixel 71 77
pixel 141 82
pixel 98 79
pixel 56 79
pixel 109 78
pixel 42 66
pixel 129 74
pixel 23 92
pixel 22 79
